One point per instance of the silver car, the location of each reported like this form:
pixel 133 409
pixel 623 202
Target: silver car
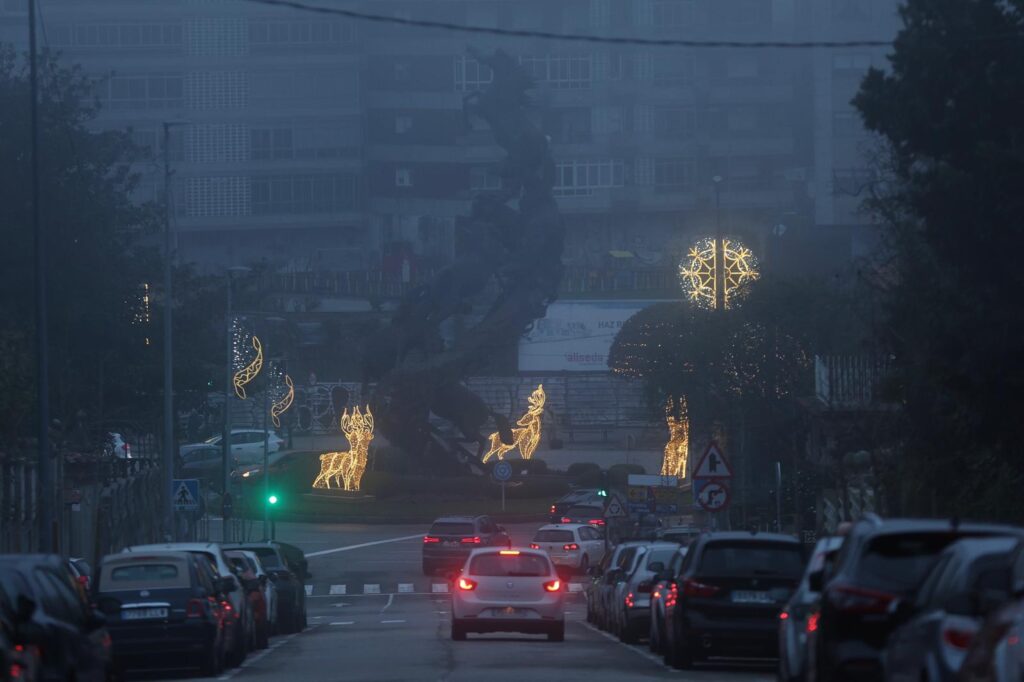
pixel 793 618
pixel 632 612
pixel 508 590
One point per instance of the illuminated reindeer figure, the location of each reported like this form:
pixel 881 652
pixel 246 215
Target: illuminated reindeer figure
pixel 677 450
pixel 527 436
pixel 347 467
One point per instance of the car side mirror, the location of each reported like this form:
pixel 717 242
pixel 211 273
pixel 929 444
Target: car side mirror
pixel 25 608
pixel 816 580
pixel 227 585
pixel 657 567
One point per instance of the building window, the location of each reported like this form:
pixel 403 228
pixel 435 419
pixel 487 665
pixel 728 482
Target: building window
pixel 607 119
pixel 217 142
pixel 674 173
pixel 216 196
pixel 217 89
pixel 742 120
pixel 857 63
pixel 272 144
pixel 142 92
pixel 297 194
pixel 118 36
pixel 268 34
pixel 673 13
pixel 403 177
pixel 563 72
pixel 581 178
pixel 675 123
pixel 221 37
pixel 483 178
pixel 669 69
pixel 471 75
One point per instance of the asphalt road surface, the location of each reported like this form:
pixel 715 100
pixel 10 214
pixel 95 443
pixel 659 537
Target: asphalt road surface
pixel 373 616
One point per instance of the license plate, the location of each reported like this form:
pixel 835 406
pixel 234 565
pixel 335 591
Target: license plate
pixel 451 543
pixel 143 614
pixel 750 597
pixel 507 612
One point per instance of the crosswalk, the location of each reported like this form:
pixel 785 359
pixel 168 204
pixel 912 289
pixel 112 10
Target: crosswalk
pixel 345 589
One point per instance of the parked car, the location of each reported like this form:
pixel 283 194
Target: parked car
pixel 793 618
pixel 207 463
pixel 571 546
pixel 163 610
pixel 728 595
pixel 508 590
pixel 82 573
pixel 562 504
pixel 995 653
pixel 245 563
pixel 238 618
pixel 452 538
pixel 969 579
pixel 631 605
pixel 246 444
pixel 286 567
pixel 20 659
pixel 605 577
pixel 117 446
pixel 881 562
pixel 682 535
pixel 655 638
pixel 53 619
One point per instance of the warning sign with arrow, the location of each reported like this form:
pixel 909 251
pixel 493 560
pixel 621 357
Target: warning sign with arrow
pixel 713 464
pixel 186 494
pixel 713 496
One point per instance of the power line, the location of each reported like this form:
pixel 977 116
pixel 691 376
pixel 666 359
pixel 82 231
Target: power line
pixel 570 37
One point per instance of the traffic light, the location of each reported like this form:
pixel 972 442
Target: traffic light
pixel 602 489
pixel 272 500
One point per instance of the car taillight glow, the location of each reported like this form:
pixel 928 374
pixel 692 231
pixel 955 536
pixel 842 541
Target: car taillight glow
pixel 475 540
pixel 692 588
pixel 534 545
pixel 656 595
pixel 566 519
pixel 859 599
pixel 958 639
pixel 553 509
pixel 430 539
pixel 672 596
pixel 467 584
pixel 571 547
pixel 630 601
pixel 553 586
pixel 194 609
pixel 509 552
pixel 812 622
pixel 784 615
pixel 596 522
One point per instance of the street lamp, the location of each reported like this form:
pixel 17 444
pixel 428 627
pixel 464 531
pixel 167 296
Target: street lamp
pixel 719 259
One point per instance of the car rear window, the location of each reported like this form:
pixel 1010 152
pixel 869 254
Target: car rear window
pixel 509 565
pixel 268 557
pixel 584 511
pixel 899 562
pixel 159 575
pixel 662 555
pixel 751 558
pixel 451 528
pixel 553 536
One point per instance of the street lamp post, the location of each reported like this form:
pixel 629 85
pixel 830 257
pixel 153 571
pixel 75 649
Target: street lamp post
pixel 229 357
pixel 719 248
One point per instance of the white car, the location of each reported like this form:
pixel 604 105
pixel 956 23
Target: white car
pixel 246 444
pixel 118 447
pixel 576 546
pixel 508 590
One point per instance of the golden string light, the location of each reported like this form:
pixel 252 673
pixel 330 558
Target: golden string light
pixel 699 269
pixel 281 406
pixel 250 371
pixel 677 450
pixel 346 468
pixel 527 436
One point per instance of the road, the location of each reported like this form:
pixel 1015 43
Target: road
pixel 374 616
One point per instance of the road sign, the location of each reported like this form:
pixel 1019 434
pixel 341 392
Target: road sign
pixel 186 494
pixel 502 471
pixel 714 496
pixel 614 510
pixel 713 464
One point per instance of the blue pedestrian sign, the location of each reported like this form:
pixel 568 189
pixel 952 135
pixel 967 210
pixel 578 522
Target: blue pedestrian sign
pixel 185 494
pixel 502 471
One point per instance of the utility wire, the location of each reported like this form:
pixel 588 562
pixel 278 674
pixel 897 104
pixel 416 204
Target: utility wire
pixel 570 37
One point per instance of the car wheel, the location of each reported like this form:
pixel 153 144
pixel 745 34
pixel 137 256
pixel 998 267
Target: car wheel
pixel 213 661
pixel 458 630
pixel 263 638
pixel 652 637
pixel 557 632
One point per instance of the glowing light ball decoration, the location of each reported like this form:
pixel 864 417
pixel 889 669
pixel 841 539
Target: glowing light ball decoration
pixel 698 272
pixel 281 405
pixel 527 436
pixel 346 468
pixel 677 450
pixel 249 372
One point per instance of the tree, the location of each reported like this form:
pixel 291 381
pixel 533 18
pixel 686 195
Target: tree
pixel 948 110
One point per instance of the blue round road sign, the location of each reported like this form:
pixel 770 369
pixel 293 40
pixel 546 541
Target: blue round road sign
pixel 502 471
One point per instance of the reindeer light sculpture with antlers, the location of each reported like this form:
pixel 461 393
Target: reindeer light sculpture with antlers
pixel 346 468
pixel 526 436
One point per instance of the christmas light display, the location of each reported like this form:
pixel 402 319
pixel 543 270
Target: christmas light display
pixel 250 371
pixel 677 450
pixel 281 406
pixel 698 272
pixel 527 436
pixel 346 468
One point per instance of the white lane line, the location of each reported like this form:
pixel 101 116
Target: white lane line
pixel 439 588
pixel 391 621
pixel 371 589
pixel 309 590
pixel 258 657
pixel 344 622
pixel 338 589
pixel 644 654
pixel 405 588
pixel 360 546
pixel 391 600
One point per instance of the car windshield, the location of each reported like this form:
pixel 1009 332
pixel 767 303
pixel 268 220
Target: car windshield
pixel 451 528
pixel 898 562
pixel 268 557
pixel 553 536
pixel 751 559
pixel 509 565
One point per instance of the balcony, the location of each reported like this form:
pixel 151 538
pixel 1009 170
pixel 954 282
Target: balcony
pixel 850 382
pixel 578 282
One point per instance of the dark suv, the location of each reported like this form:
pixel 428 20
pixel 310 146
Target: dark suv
pixel 726 599
pixel 880 563
pixel 452 538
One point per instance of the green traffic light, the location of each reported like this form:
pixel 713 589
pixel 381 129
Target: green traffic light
pixel 272 499
pixel 602 493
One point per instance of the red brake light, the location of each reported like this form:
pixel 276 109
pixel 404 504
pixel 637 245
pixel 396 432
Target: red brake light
pixel 629 600
pixel 566 519
pixel 958 639
pixel 859 599
pixel 692 588
pixel 475 540
pixel 596 522
pixel 194 609
pixel 553 586
pixel 571 547
pixel 509 552
pixel 467 584
pixel 812 622
pixel 672 595
pixel 429 539
pixel 534 545
pixel 656 595
pixel 784 615
pixel 552 509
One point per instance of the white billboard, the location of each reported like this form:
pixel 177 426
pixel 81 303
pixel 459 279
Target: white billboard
pixel 575 336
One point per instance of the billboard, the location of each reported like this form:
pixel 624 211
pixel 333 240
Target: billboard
pixel 575 336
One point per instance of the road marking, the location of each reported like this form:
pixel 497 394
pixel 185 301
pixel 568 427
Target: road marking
pixel 404 588
pixel 360 546
pixel 258 657
pixel 391 599
pixel 309 590
pixel 645 654
pixel 575 587
pixel 439 588
pixel 391 621
pixel 344 603
pixel 338 589
pixel 371 589
pixel 344 622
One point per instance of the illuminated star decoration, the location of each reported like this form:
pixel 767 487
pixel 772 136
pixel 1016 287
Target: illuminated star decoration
pixel 527 436
pixel 677 450
pixel 250 371
pixel 281 406
pixel 346 468
pixel 697 272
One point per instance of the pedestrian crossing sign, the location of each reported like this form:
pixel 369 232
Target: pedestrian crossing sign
pixel 185 494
